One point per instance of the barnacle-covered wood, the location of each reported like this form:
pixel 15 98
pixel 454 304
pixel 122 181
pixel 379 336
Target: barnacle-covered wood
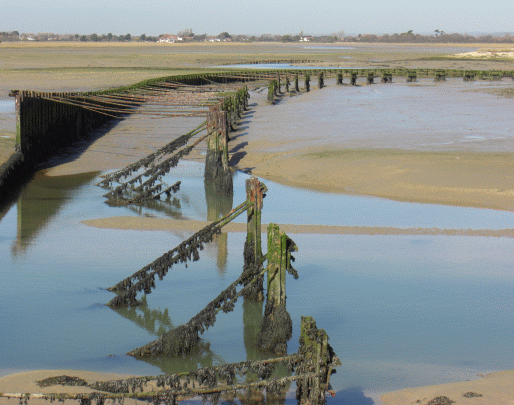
pixel 188 250
pixel 311 365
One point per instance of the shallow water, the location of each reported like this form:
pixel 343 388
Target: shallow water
pixel 422 116
pixel 7 106
pixel 399 310
pixel 282 66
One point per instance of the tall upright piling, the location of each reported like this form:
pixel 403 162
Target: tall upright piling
pixel 412 76
pixel 440 76
pixel 307 82
pixel 339 78
pixel 216 160
pixel 276 327
pixel 370 78
pixel 321 82
pixel 353 79
pixel 387 77
pixel 296 83
pixel 317 359
pixel 255 192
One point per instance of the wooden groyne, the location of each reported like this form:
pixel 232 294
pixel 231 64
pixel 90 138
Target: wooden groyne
pixel 310 367
pixel 47 122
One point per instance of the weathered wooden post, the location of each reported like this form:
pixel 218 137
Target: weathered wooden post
pixel 307 82
pixel 244 99
pixel 296 84
pixel 411 76
pixel 272 91
pixel 370 77
pixel 317 359
pixel 339 78
pixel 276 327
pixel 321 83
pixel 287 84
pixel 18 96
pixel 440 76
pixel 255 192
pixel 469 76
pixel 387 77
pixel 496 76
pixel 216 160
pixel 278 89
pixel 353 79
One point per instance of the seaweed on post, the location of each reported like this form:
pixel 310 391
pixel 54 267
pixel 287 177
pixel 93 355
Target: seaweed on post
pixel 277 327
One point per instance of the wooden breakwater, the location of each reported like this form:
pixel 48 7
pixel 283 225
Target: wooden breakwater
pixel 45 124
pixel 48 122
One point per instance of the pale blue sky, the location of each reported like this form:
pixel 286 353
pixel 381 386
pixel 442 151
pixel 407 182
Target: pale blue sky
pixel 153 17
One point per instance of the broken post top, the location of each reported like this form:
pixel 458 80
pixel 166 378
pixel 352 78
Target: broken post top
pixel 255 192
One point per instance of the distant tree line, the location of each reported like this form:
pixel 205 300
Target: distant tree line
pixel 188 35
pixel 438 37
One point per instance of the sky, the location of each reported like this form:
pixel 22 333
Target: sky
pixel 255 17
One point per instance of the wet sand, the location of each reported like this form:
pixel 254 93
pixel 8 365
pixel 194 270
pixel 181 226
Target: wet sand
pixel 492 389
pixel 434 161
pixel 114 147
pixel 25 382
pixel 164 224
pixel 284 143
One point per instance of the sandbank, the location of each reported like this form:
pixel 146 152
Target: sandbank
pixel 285 143
pixel 167 224
pixel 25 382
pixel 492 389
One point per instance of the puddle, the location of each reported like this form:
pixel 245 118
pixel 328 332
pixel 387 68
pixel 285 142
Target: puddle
pixel 383 300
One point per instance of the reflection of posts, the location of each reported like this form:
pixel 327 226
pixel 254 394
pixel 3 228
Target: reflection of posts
pixel 276 327
pixel 253 250
pixel 216 161
pixel 217 207
pixel 155 321
pixel 252 318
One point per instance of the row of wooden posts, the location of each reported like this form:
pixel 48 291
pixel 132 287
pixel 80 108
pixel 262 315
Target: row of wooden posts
pixel 315 357
pixel 275 85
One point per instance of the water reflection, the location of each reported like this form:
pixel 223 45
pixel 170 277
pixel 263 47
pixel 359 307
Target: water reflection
pixel 200 356
pixel 170 207
pixel 218 206
pixel 40 201
pixel 383 300
pixel 155 321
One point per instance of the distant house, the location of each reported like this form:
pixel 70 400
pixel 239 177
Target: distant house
pixel 213 39
pixel 170 38
pixel 305 39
